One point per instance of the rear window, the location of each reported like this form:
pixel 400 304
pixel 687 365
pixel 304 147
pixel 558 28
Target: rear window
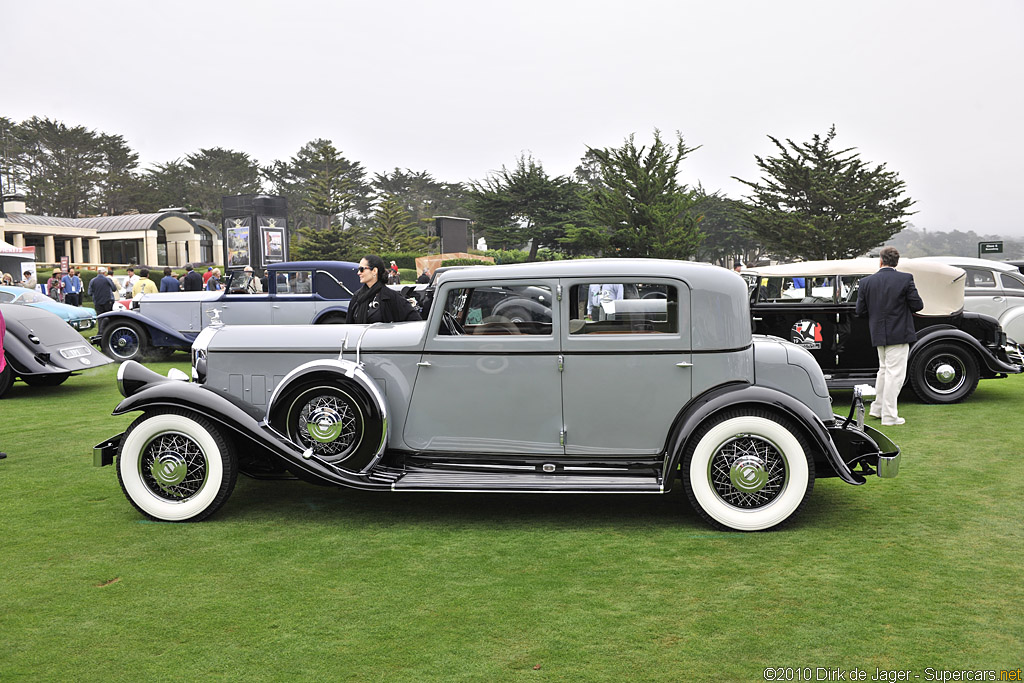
pixel 623 308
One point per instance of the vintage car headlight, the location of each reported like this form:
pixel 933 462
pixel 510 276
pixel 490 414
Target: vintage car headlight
pixel 199 353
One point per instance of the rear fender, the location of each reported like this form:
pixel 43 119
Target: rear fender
pixel 738 395
pixel 981 353
pixel 342 308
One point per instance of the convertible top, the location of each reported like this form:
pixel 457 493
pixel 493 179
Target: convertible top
pixel 940 285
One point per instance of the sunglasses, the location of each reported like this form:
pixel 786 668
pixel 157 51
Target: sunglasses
pixel 362 268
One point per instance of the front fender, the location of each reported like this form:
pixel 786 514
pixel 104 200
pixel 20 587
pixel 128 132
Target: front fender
pixel 159 333
pixel 239 418
pixel 738 394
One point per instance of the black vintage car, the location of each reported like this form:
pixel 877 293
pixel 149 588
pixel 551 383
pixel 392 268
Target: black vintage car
pixel 812 304
pixel 41 349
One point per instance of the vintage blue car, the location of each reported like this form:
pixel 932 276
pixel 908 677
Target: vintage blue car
pixel 299 292
pixel 41 350
pixel 79 317
pixel 664 387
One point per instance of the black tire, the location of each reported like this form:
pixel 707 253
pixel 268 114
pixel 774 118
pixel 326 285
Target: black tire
pixel 176 466
pixel 124 340
pixel 517 314
pixel 747 470
pixel 6 379
pixel 333 319
pixel 45 380
pixel 944 373
pixel 338 420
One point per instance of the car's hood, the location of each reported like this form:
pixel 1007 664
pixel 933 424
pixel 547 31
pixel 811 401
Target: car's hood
pixel 327 339
pixel 66 311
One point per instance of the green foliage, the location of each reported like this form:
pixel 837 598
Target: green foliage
pixel 332 243
pixel 726 234
pixel 216 173
pixel 464 262
pixel 423 197
pixel 524 204
pixel 393 229
pixel 323 188
pixel 913 243
pixel 818 203
pixel 508 255
pixel 640 202
pixel 583 240
pixel 404 260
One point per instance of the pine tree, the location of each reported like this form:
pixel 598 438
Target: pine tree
pixel 393 229
pixel 818 203
pixel 641 202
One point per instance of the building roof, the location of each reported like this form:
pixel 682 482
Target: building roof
pixel 105 224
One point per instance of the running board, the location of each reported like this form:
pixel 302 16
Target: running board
pixel 526 482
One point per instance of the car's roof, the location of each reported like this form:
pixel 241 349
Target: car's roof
pixel 598 268
pixel 941 285
pixel 971 261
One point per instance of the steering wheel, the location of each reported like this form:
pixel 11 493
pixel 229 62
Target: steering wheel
pixel 452 324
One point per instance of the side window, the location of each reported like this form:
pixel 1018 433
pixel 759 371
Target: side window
pixel 500 310
pixel 623 308
pixel 848 286
pixel 976 277
pixel 294 282
pixel 1011 282
pixel 6 297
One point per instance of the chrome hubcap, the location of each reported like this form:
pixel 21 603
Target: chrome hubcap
pixel 945 373
pixel 328 424
pixel 325 424
pixel 173 466
pixel 748 472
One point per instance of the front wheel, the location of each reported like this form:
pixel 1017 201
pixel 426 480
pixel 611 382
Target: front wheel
pixel 124 340
pixel 176 466
pixel 944 373
pixel 747 470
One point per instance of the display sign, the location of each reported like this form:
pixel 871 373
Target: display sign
pixel 236 235
pixel 990 248
pixel 273 233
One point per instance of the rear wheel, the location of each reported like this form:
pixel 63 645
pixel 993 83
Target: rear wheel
pixel 747 470
pixel 944 373
pixel 124 340
pixel 176 466
pixel 332 319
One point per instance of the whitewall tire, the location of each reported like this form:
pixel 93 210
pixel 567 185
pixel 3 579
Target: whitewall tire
pixel 747 470
pixel 176 466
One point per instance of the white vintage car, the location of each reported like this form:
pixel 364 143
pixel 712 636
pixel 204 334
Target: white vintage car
pixel 660 385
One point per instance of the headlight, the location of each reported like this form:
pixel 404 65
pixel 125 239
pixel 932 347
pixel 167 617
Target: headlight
pixel 199 353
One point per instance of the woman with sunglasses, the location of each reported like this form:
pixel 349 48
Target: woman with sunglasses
pixel 375 302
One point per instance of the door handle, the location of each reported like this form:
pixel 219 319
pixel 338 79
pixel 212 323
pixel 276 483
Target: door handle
pixel 684 364
pixel 757 320
pixel 997 298
pixel 423 364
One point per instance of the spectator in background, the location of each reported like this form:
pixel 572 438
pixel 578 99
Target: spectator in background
pixel 28 280
pixel 193 281
pixel 265 280
pixel 7 279
pixel 424 277
pixel 252 283
pixel 213 282
pixel 207 275
pixel 53 287
pixel 394 278
pixel 169 283
pixel 143 284
pixel 129 285
pixel 72 288
pixel 103 290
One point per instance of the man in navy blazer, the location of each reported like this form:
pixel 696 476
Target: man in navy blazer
pixel 889 299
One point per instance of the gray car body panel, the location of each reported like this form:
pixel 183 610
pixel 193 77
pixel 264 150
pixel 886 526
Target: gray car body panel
pixel 559 394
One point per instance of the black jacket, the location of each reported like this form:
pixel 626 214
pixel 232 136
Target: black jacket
pixel 889 299
pixel 379 304
pixel 102 289
pixel 193 282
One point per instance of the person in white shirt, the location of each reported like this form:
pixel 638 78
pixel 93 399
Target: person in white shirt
pixel 601 293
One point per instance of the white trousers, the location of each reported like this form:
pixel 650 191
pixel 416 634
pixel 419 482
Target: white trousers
pixel 892 370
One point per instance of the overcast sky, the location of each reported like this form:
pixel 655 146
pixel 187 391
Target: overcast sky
pixel 931 88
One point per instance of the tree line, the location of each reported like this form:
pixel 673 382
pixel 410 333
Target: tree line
pixel 811 201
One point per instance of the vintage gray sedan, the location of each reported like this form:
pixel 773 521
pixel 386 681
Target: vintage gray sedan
pixel 659 384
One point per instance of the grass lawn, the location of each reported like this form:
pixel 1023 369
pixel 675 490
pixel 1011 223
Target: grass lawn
pixel 293 581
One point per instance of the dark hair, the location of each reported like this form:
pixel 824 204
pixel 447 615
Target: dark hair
pixel 890 256
pixel 144 272
pixel 188 266
pixel 167 270
pixel 377 263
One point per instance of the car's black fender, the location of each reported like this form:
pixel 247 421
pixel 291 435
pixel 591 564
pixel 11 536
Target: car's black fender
pixel 160 334
pixel 739 394
pixel 943 333
pixel 146 390
pixel 333 310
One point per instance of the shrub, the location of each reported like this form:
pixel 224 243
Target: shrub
pixel 464 262
pixel 405 259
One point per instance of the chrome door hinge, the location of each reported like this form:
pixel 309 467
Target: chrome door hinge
pixel 558 292
pixel 561 362
pixel 561 437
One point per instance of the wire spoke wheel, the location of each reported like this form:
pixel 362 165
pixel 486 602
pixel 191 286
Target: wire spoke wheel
pixel 328 424
pixel 173 467
pixel 748 472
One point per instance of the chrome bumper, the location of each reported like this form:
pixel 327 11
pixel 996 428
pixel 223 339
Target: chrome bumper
pixel 859 444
